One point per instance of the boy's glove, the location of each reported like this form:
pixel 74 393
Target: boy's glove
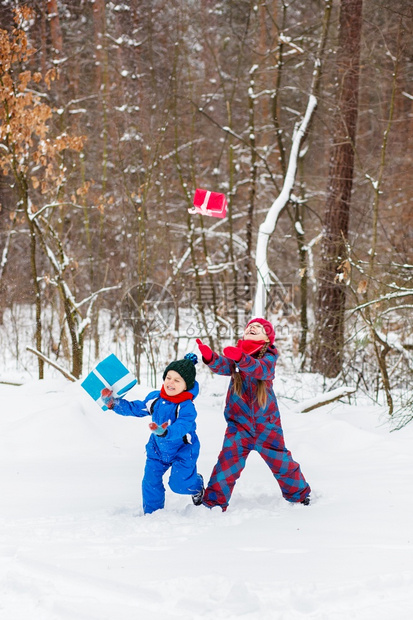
pixel 159 430
pixel 205 350
pixel 108 398
pixel 234 353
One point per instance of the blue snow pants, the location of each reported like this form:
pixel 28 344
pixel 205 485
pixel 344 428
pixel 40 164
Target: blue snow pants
pixel 183 478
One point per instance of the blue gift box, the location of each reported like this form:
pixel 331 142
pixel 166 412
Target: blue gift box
pixel 109 373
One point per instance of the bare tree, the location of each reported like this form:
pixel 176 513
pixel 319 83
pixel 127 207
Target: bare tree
pixel 281 202
pixel 329 330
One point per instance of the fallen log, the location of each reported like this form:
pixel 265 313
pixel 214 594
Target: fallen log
pixel 51 363
pixel 324 399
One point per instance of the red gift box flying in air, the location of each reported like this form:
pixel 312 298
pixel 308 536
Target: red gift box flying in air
pixel 209 203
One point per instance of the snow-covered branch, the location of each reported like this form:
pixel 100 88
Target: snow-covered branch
pixel 309 249
pixel 378 300
pixel 92 297
pixel 323 399
pixel 49 361
pixel 53 205
pixel 268 226
pixel 397 308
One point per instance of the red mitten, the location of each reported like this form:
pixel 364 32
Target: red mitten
pixel 205 350
pixel 107 397
pixel 159 430
pixel 234 353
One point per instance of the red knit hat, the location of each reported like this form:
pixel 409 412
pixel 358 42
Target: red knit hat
pixel 268 328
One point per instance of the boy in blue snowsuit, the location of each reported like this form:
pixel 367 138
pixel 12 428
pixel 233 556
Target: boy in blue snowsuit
pixel 173 443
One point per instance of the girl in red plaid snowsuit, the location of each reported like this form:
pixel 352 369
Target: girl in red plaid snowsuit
pixel 252 415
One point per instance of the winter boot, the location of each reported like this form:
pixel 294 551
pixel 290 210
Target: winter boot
pixel 197 498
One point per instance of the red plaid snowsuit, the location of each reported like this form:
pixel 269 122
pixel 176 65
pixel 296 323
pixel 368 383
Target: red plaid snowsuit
pixel 252 428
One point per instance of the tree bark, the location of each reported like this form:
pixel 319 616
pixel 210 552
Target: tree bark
pixel 55 30
pixel 329 330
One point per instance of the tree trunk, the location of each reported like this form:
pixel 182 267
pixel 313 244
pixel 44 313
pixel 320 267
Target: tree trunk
pixel 329 331
pixel 55 30
pixel 24 201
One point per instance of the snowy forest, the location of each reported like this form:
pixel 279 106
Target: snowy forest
pixel 301 113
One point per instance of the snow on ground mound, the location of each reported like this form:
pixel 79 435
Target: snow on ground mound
pixel 75 545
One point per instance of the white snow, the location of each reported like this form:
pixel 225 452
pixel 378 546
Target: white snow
pixel 299 228
pixel 76 546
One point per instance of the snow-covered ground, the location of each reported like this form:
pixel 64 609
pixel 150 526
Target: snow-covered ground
pixel 75 545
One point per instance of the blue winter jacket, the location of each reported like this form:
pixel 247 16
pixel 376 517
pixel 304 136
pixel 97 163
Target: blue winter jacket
pixel 181 418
